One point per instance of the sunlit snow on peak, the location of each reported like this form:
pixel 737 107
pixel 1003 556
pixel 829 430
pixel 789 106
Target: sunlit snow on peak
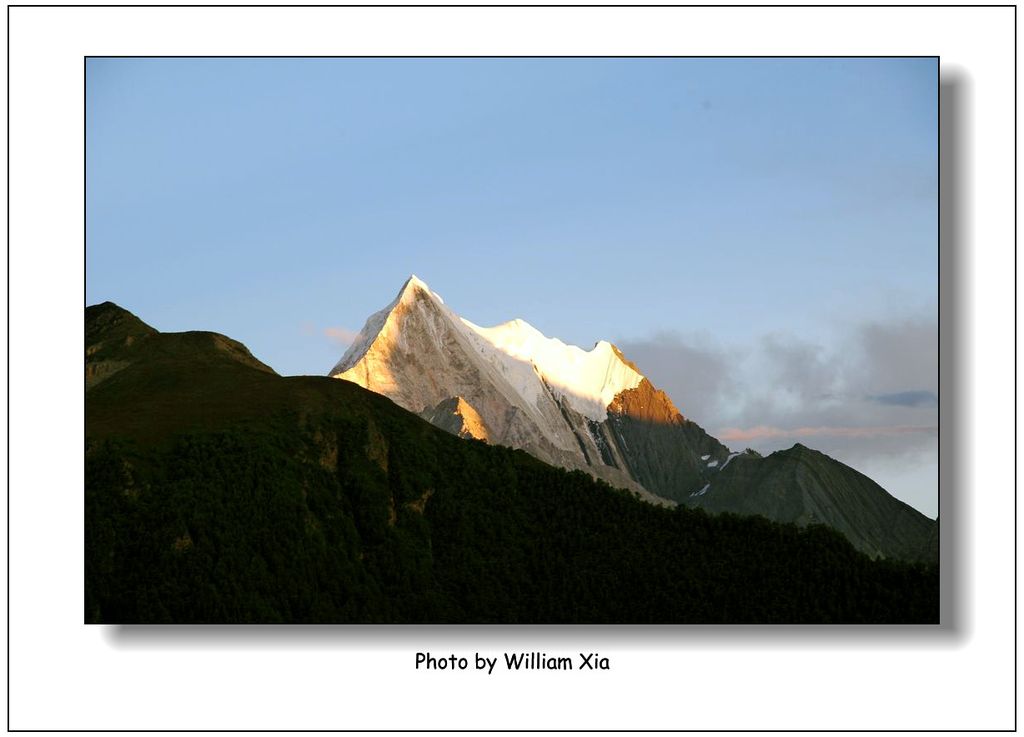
pixel 522 356
pixel 589 380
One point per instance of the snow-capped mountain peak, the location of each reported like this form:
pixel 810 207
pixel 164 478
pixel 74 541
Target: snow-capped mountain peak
pixel 514 386
pixel 533 363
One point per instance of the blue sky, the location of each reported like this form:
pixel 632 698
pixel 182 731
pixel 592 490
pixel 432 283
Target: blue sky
pixel 768 215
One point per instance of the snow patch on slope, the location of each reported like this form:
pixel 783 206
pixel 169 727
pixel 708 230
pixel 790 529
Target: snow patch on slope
pixel 731 456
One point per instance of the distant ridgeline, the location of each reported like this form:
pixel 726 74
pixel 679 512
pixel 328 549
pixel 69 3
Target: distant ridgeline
pixel 218 491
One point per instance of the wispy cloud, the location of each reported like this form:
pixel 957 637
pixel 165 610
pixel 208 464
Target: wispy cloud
pixel 919 398
pixel 765 432
pixel 341 336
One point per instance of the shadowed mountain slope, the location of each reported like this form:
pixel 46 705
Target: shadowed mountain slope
pixel 805 487
pixel 116 339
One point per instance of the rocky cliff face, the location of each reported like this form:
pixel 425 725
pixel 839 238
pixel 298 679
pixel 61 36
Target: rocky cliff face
pixel 458 417
pixel 666 453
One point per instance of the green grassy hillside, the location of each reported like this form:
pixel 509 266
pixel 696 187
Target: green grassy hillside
pixel 217 491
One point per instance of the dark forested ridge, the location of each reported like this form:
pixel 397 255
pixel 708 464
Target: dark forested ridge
pixel 217 491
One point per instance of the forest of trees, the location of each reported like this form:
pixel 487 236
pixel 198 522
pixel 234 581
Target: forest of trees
pixel 254 526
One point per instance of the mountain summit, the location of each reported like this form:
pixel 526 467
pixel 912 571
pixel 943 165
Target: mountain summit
pixel 531 363
pixel 511 385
